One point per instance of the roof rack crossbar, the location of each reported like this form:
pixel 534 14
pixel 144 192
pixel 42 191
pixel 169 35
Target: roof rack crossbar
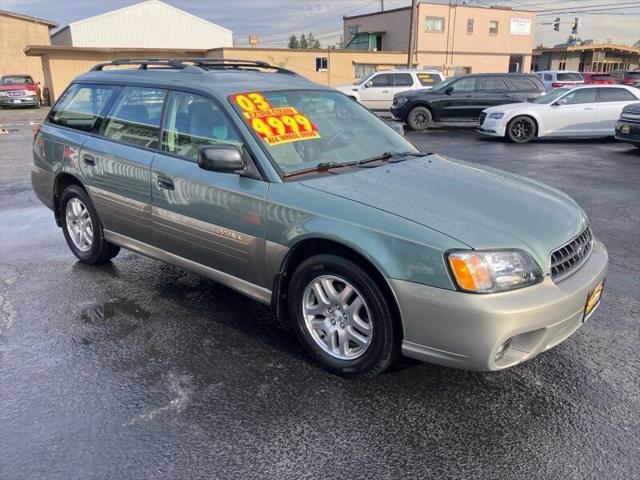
pixel 180 63
pixel 142 62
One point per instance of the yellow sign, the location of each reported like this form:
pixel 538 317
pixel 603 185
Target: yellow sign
pixel 275 125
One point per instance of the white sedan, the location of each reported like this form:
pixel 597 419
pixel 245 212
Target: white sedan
pixel 584 111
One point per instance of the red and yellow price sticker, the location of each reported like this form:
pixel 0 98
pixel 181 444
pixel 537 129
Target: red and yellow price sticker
pixel 275 125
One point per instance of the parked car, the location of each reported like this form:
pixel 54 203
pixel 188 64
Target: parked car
pixel 597 78
pixel 560 78
pixel 366 246
pixel 377 90
pixel 19 90
pixel 462 98
pixel 628 125
pixel 584 111
pixel 627 77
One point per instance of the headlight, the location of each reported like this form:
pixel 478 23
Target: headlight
pixel 493 271
pixel 496 115
pixel 400 100
pixel 3 94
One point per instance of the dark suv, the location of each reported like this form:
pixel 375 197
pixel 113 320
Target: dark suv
pixel 461 99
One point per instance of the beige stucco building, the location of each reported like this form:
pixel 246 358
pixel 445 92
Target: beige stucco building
pixel 328 67
pixel 16 31
pixel 453 38
pixel 594 57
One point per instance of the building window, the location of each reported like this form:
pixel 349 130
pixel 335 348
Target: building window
pixel 363 70
pixel 562 65
pixel 321 64
pixel 493 27
pixel 461 71
pixel 469 26
pixel 435 24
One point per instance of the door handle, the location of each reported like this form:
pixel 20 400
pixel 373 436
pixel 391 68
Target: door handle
pixel 89 159
pixel 166 183
pixel 589 108
pixel 385 91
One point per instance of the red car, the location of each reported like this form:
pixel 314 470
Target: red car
pixel 598 78
pixel 19 90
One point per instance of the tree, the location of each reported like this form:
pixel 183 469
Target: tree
pixel 637 44
pixel 573 40
pixel 303 42
pixel 312 41
pixel 293 42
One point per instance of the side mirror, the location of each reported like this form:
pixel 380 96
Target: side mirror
pixel 221 158
pixel 368 84
pixel 449 90
pixel 562 101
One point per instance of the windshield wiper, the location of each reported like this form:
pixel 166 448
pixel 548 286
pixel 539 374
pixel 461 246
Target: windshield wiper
pixel 392 157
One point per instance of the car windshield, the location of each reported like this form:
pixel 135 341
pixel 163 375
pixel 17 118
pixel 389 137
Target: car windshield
pixel 569 77
pixel 305 129
pixel 16 80
pixel 361 80
pixel 551 96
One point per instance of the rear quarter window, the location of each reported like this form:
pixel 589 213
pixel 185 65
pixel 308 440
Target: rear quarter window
pixel 429 79
pixel 615 95
pixel 81 106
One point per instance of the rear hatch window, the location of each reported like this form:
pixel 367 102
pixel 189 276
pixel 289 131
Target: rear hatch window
pixel 569 77
pixel 602 77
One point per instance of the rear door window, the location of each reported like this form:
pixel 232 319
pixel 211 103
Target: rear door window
pixel 134 117
pixel 192 121
pixel 490 84
pixel 523 84
pixel 81 106
pixel 615 95
pixel 402 80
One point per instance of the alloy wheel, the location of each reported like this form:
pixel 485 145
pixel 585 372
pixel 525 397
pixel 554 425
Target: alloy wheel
pixel 79 225
pixel 337 317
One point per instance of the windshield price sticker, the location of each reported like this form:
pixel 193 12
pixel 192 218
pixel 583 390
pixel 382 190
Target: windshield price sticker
pixel 275 125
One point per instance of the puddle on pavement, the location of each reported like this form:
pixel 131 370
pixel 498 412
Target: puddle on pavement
pixel 122 317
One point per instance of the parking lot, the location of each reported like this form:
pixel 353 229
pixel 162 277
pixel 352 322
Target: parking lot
pixel 140 369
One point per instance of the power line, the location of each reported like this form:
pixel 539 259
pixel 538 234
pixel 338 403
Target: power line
pixel 591 9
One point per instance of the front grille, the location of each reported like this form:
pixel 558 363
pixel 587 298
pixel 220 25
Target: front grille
pixel 482 117
pixel 631 113
pixel 569 257
pixel 17 93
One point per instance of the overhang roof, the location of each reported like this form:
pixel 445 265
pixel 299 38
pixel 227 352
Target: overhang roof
pixel 589 48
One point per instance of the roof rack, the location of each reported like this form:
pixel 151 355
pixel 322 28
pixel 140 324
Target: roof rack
pixel 143 63
pixel 180 63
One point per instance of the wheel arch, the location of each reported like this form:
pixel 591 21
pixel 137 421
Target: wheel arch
pixel 62 181
pixel 311 246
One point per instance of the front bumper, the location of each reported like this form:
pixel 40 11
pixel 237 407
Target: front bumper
pixel 464 330
pixel 399 113
pixel 628 132
pixel 492 127
pixel 29 100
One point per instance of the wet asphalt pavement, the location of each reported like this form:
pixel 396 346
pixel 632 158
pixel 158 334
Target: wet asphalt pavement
pixel 142 370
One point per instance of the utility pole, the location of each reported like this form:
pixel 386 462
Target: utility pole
pixel 411 35
pixel 382 5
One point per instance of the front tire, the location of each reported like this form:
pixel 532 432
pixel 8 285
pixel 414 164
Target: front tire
pixel 341 317
pixel 521 129
pixel 419 118
pixel 82 228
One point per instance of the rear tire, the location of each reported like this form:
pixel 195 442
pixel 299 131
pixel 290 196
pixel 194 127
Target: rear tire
pixel 341 317
pixel 82 227
pixel 419 118
pixel 521 129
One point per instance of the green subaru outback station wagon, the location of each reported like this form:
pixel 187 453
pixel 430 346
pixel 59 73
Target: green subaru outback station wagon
pixel 300 198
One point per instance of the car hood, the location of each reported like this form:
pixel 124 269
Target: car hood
pixel 476 205
pixel 417 93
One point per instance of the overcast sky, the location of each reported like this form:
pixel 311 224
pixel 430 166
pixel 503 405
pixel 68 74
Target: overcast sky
pixel 275 20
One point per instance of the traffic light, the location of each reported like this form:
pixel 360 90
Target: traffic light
pixel 574 29
pixel 556 24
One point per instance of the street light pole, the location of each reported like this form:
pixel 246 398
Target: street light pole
pixel 411 35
